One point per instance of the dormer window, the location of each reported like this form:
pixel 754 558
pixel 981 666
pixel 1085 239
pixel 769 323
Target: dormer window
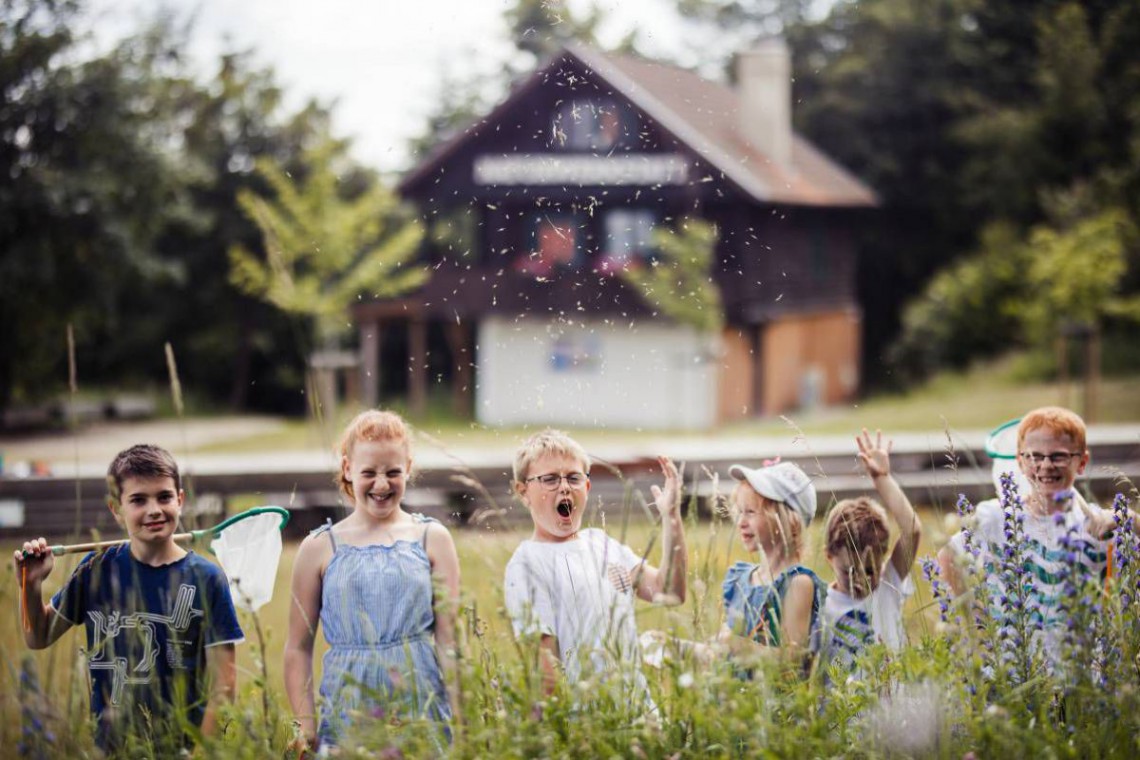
pixel 587 125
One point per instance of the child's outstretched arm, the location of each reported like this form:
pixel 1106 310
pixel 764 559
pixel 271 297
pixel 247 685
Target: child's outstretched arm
pixel 42 625
pixel 304 615
pixel 876 460
pixel 1100 523
pixel 445 602
pixel 667 585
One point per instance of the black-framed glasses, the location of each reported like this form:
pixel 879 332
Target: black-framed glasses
pixel 551 480
pixel 1057 458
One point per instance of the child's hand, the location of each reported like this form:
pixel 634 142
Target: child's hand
pixel 1099 523
pixel 302 748
pixel 36 559
pixel 876 459
pixel 668 499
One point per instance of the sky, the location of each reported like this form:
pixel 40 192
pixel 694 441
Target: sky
pixel 380 61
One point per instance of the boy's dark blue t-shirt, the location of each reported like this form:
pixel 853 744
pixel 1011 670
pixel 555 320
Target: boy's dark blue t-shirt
pixel 148 629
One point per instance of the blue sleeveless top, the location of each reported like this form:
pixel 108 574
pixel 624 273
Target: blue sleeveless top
pixel 376 612
pixel 756 612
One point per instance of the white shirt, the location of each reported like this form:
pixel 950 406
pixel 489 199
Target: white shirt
pixel 852 624
pixel 1044 555
pixel 581 592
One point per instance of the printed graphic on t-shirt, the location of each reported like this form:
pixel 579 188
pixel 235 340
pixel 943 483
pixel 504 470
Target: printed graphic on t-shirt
pixel 850 635
pixel 112 631
pixel 619 577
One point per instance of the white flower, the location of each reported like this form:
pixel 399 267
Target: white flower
pixel 685 680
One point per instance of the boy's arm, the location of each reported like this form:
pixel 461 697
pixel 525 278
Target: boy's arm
pixel 42 625
pixel 668 584
pixel 1100 523
pixel 526 594
pixel 445 603
pixel 221 665
pixel 876 460
pixel 304 615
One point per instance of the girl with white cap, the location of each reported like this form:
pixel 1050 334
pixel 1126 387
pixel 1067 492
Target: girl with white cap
pixel 776 601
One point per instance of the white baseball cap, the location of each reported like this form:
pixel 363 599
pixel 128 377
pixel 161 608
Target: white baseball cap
pixel 783 482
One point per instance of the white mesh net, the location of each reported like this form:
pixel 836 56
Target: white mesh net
pixel 1001 447
pixel 249 551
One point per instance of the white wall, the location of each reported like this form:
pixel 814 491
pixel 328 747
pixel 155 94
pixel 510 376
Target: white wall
pixel 593 373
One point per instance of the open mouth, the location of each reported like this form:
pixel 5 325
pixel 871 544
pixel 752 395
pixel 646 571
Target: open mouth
pixel 565 508
pixel 381 498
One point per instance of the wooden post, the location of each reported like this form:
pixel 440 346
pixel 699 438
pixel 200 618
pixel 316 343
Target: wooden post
pixel 417 366
pixel 370 363
pixel 1062 345
pixel 759 367
pixel 1092 372
pixel 461 358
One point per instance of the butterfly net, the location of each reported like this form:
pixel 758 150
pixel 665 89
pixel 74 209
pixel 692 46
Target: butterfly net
pixel 249 550
pixel 1001 448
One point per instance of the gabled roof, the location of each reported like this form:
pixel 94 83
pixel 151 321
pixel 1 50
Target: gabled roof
pixel 699 113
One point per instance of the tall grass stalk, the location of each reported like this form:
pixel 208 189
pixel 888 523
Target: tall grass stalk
pixel 932 699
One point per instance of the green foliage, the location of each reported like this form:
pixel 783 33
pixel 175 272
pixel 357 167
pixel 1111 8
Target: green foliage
pixel 542 27
pixel 969 309
pixel 324 250
pixel 85 190
pixel 932 699
pixel 678 282
pixel 1076 275
pixel 119 177
pixel 1015 292
pixel 965 117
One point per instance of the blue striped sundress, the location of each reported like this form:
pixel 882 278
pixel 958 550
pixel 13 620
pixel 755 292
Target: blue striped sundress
pixel 376 612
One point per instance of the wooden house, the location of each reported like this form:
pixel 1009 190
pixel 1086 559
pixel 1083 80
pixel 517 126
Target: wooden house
pixel 533 211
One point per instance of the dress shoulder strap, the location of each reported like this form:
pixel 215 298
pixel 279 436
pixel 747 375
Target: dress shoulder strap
pixel 326 528
pixel 426 521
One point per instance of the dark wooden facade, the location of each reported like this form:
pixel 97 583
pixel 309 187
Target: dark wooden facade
pixel 534 207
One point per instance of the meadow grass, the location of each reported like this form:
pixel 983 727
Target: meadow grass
pixel 927 700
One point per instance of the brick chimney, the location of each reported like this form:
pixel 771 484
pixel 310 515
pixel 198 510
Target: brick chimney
pixel 764 85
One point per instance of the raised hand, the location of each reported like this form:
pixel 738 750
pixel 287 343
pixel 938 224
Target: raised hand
pixel 34 558
pixel 875 458
pixel 667 499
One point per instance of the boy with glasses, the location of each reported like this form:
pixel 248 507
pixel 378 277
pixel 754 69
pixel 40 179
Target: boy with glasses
pixel 572 590
pixel 1051 453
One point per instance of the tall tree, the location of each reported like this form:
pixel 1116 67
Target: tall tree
pixel 85 188
pixel 326 242
pixel 235 348
pixel 542 27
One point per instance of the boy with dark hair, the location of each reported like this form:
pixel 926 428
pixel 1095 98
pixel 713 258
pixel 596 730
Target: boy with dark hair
pixel 161 625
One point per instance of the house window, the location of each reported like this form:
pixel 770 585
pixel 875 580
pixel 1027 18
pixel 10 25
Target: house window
pixel 557 242
pixel 629 238
pixel 587 125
